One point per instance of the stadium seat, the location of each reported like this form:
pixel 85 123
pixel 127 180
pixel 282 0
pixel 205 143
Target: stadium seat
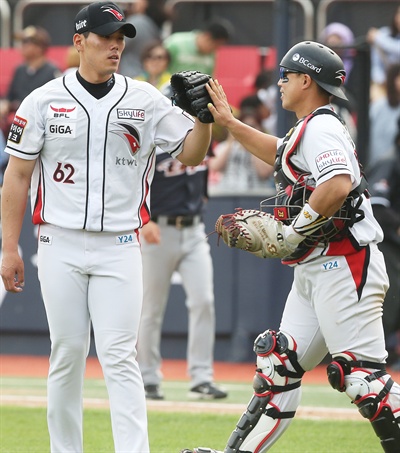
pixel 236 68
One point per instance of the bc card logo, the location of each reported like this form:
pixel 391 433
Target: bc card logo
pixel 130 114
pixel 17 129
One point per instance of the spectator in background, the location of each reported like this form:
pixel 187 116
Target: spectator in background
pixel 252 105
pixel 383 116
pixel 267 92
pixel 34 72
pixel 71 61
pixel 384 183
pixel 240 171
pixel 196 49
pixel 385 51
pixel 147 32
pixel 340 38
pixel 155 60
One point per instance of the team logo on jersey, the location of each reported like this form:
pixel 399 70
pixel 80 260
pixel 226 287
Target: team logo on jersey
pixel 330 158
pixel 130 114
pixel 62 111
pixel 17 129
pixel 129 134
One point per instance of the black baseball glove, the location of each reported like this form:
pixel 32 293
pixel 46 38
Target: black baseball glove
pixel 190 94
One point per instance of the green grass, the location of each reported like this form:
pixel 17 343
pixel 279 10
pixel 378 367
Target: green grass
pixel 24 430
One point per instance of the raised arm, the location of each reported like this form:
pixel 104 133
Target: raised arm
pixel 258 143
pixel 196 144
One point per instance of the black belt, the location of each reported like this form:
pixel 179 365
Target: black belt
pixel 179 221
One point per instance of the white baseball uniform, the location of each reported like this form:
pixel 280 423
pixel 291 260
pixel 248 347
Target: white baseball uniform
pixel 89 194
pixel 178 192
pixel 335 303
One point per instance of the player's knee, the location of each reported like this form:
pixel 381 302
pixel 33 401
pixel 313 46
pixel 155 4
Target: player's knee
pixel 355 377
pixel 277 371
pixel 276 363
pixel 368 386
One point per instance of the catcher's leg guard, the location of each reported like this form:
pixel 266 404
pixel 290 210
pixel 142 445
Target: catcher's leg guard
pixel 274 352
pixel 370 391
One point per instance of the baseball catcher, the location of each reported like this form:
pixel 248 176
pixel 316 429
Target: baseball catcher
pixel 190 94
pixel 321 223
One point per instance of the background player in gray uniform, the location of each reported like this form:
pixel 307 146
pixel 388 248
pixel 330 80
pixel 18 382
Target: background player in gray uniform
pixel 84 143
pixel 175 240
pixel 330 237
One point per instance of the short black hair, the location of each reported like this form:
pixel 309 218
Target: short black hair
pixel 263 79
pixel 219 29
pixel 251 101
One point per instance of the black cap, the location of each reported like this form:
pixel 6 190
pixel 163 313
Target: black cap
pixel 103 18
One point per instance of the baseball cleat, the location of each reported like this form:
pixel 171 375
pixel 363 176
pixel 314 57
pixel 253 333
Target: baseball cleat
pixel 206 391
pixel 153 392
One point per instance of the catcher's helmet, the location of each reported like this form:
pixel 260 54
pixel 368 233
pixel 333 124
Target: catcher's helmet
pixel 320 62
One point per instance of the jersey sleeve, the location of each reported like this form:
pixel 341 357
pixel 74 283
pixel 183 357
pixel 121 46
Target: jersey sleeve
pixel 172 126
pixel 328 149
pixel 26 135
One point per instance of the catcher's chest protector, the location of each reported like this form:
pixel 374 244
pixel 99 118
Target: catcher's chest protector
pixel 294 187
pixel 286 174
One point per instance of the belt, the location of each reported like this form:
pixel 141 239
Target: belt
pixel 179 221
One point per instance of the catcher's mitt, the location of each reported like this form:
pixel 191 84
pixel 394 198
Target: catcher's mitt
pixel 190 94
pixel 254 231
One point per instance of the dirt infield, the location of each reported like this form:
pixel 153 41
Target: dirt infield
pixel 174 370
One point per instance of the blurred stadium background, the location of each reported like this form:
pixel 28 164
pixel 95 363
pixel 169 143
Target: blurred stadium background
pixel 249 293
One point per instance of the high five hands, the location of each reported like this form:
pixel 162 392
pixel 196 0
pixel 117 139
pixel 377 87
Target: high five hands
pixel 220 108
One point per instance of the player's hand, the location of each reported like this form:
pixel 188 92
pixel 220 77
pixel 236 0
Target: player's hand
pixel 12 272
pixel 151 233
pixel 220 108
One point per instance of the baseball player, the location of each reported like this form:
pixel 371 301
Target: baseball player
pixel 175 240
pixel 325 228
pixel 84 143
